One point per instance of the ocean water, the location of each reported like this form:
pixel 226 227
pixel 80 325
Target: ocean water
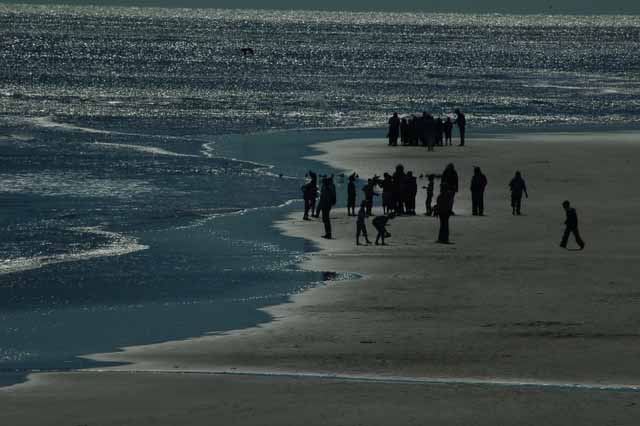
pixel 143 160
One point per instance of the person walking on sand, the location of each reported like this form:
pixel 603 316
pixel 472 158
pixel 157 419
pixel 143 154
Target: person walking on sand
pixel 443 205
pixel 394 129
pixel 351 195
pixel 478 184
pixel 380 223
pixel 518 187
pixel 361 224
pixel 571 226
pixel 327 201
pixel 461 121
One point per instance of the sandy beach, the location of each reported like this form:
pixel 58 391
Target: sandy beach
pixel 502 327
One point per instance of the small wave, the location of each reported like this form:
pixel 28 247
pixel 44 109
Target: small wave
pixel 119 245
pixel 235 212
pixel 48 122
pixel 259 168
pixel 554 86
pixel 209 152
pixel 141 148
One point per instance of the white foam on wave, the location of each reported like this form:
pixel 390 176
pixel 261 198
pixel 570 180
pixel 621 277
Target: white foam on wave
pixel 118 245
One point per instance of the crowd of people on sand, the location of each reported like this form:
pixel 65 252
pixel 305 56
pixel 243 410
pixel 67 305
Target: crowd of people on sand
pixel 425 130
pixel 398 191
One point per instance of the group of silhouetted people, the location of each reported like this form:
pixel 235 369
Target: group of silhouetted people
pixel 426 130
pixel 399 192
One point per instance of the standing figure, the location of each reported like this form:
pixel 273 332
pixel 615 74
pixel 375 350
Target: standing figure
pixel 388 203
pixel 439 130
pixel 412 192
pixel 327 201
pixel 450 180
pixel 461 121
pixel 443 204
pixel 369 193
pixel 518 187
pixel 404 131
pixel 351 195
pixel 380 223
pixel 413 131
pixel 571 226
pixel 448 131
pixel 429 188
pixel 478 184
pixel 394 129
pixel 421 129
pixel 309 194
pixel 430 131
pixel 361 224
pixel 399 189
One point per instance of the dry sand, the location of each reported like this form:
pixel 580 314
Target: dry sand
pixel 504 304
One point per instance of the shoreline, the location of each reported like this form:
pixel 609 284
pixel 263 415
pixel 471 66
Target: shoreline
pixel 503 306
pixel 315 262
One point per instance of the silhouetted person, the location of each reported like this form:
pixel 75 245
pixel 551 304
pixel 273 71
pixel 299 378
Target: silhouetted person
pixel 412 192
pixel 388 201
pixel 518 187
pixel 429 188
pixel 309 194
pixel 380 223
pixel 404 131
pixel 429 131
pixel 439 129
pixel 571 226
pixel 450 180
pixel 478 184
pixel 394 129
pixel 413 131
pixel 327 201
pixel 461 121
pixel 369 193
pixel 443 204
pixel 399 189
pixel 361 224
pixel 351 195
pixel 421 129
pixel 448 131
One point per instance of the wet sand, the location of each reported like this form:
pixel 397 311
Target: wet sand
pixel 504 305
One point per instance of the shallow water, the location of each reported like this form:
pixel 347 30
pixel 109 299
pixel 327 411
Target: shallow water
pixel 88 268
